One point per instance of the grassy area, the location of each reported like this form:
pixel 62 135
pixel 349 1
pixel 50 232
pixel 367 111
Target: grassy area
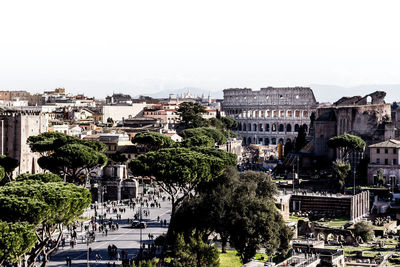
pixel 367 251
pixel 229 259
pixel 293 218
pixel 83 219
pixel 337 222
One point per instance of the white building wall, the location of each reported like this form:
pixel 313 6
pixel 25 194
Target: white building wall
pixel 118 112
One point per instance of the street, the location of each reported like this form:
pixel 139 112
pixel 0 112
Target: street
pixel 125 238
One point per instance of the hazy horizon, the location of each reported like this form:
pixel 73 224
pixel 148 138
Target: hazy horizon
pixel 144 47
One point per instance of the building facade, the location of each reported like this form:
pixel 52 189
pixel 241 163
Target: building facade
pixel 15 128
pixel 385 156
pixel 270 115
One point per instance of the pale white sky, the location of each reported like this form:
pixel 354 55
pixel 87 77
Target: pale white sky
pixel 137 47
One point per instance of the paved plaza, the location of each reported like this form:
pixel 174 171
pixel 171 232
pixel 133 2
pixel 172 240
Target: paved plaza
pixel 125 238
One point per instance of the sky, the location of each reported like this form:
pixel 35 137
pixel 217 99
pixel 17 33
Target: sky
pixel 142 47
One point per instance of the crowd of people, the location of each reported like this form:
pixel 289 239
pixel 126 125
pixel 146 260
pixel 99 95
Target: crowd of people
pixel 109 219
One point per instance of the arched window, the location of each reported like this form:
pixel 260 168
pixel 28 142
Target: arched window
pixel 249 127
pixel 288 128
pixel 267 127
pixel 296 128
pixel 266 141
pixel 275 113
pixel 254 127
pixel 281 128
pixel 297 113
pixel 249 140
pixel 289 114
pixel 240 126
pixel 268 113
pixel 282 113
pixel 305 127
pixel 260 127
pixel 244 127
pixel 273 127
pixel 244 140
pixel 281 141
pixel 305 114
pixel 273 141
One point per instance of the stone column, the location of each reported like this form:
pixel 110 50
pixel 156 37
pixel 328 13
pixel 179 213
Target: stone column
pixel 99 191
pixel 119 190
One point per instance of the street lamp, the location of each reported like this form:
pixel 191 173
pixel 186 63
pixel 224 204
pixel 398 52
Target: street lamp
pixel 141 202
pixel 87 248
pixel 103 190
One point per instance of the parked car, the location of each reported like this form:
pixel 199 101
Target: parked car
pixel 139 224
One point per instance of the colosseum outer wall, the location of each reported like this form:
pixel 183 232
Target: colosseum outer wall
pixel 270 115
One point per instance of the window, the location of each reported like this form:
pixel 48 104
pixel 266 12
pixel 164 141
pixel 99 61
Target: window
pixel 386 161
pixel 386 151
pixel 281 113
pixel 378 161
pixel 275 113
pixel 394 162
pixel 378 151
pixel 297 114
pixel 305 114
pixel 394 150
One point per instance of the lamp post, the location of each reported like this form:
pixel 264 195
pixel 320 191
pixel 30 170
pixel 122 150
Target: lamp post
pixel 141 202
pixel 293 179
pixel 87 248
pixel 103 190
pixel 354 182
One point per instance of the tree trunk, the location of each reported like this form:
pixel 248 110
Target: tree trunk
pixel 45 259
pixel 224 241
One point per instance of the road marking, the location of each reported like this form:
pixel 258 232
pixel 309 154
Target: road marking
pixel 122 234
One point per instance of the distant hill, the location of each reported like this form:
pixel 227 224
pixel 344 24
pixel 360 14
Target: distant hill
pixel 322 92
pixel 332 93
pixel 192 90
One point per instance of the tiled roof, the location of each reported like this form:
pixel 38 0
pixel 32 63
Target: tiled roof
pixel 391 143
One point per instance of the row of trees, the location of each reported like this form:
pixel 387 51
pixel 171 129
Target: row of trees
pixel 33 210
pixel 69 157
pixel 209 196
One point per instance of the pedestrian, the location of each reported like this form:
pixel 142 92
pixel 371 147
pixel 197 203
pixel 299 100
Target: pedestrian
pixel 106 231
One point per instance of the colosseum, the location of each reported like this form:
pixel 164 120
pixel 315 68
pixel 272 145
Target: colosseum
pixel 270 115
